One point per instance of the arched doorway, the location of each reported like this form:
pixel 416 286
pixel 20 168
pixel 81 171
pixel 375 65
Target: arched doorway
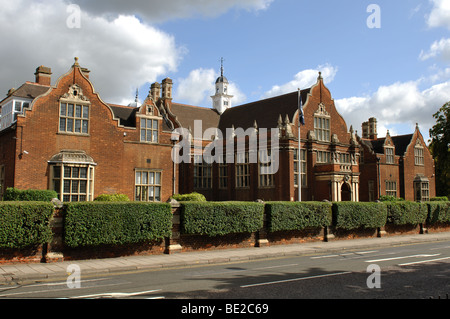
pixel 346 193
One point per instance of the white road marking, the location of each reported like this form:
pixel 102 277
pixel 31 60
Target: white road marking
pixel 296 279
pixel 326 256
pixel 402 257
pixel 346 254
pixel 424 261
pixel 242 270
pixel 53 290
pixel 116 294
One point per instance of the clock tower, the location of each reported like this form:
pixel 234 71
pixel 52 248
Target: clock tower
pixel 221 100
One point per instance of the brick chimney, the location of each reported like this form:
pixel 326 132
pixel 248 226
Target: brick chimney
pixel 85 72
pixel 155 91
pixel 43 75
pixel 167 85
pixel 369 129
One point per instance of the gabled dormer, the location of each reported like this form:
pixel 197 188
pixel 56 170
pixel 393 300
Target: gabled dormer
pixel 389 149
pixel 149 121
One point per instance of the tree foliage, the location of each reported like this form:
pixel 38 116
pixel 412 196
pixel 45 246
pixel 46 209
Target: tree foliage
pixel 440 148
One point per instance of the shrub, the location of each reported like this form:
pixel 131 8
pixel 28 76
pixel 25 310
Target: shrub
pixel 438 212
pixel 30 195
pixel 216 219
pixel 406 213
pixel 112 198
pixel 192 197
pixel 439 199
pixel 24 224
pixel 354 215
pixel 390 198
pixel 297 215
pixel 98 223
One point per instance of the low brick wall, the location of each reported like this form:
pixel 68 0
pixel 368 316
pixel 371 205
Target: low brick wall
pixel 30 255
pixel 178 242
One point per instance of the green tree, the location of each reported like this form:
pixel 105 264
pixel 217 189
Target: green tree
pixel 440 148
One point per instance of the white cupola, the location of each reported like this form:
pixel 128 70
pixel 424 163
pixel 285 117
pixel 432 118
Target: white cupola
pixel 221 99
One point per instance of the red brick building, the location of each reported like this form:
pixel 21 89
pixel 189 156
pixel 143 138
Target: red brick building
pixel 400 166
pixel 65 137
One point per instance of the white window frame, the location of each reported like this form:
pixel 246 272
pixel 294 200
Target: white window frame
pixel 298 162
pixel 71 194
pixel 202 173
pixel 151 133
pixel 390 155
pixel 266 176
pixel 419 158
pixel 242 170
pixel 148 185
pixel 83 118
pixel 322 128
pixel 391 188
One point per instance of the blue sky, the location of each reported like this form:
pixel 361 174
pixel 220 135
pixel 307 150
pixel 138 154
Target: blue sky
pixel 399 73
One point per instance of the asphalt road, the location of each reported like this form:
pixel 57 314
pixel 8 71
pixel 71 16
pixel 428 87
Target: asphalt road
pixel 419 271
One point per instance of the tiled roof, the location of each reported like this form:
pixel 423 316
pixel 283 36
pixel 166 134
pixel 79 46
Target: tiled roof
pixel 125 114
pixel 401 143
pixel 187 114
pixel 29 90
pixel 264 112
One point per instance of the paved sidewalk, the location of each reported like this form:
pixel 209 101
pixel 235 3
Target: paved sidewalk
pixel 58 270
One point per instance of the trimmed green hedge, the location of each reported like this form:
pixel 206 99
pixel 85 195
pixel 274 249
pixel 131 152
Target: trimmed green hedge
pixel 217 218
pixel 354 215
pixel 390 198
pixel 297 215
pixel 98 223
pixel 112 198
pixel 406 213
pixel 438 212
pixel 30 195
pixel 24 224
pixel 192 197
pixel 439 199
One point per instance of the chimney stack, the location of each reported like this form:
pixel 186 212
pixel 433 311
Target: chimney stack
pixel 155 91
pixel 167 85
pixel 43 75
pixel 369 129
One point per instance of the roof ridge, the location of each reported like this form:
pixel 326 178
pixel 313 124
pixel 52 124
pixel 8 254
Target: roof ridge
pixel 270 98
pixel 193 106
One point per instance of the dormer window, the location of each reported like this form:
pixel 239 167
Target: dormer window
pixel 322 124
pixel 74 112
pixel 389 151
pixel 418 155
pixel 149 130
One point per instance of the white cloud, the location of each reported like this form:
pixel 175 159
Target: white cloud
pixel 399 104
pixel 199 86
pixel 196 87
pixel 122 53
pixel 303 79
pixel 154 11
pixel 440 14
pixel 437 49
pixel 117 40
